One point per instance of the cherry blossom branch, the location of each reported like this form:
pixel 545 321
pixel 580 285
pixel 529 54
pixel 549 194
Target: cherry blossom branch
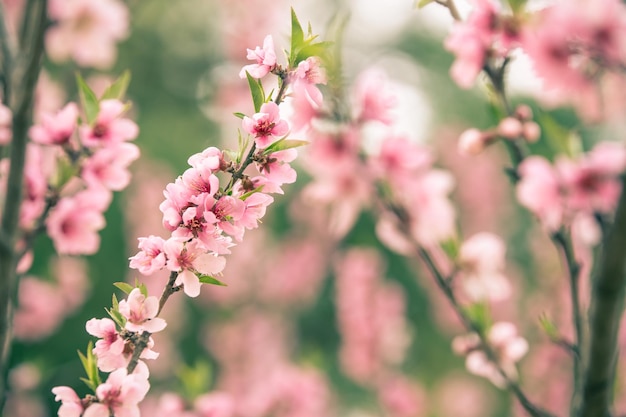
pixel 470 325
pixel 607 303
pixel 238 173
pixel 22 106
pixel 562 239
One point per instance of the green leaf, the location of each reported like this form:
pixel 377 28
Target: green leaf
pixel 206 279
pixel 65 171
pixel 114 303
pixel 195 379
pixel 144 290
pixel 88 100
pixel 91 367
pixel 479 314
pixel 256 88
pixel 297 37
pixel 562 140
pixel 239 115
pixel 516 5
pixel 318 49
pixel 124 286
pixel 89 384
pixel 284 144
pixel 451 247
pixel 249 193
pixel 549 327
pixel 117 317
pixel 117 90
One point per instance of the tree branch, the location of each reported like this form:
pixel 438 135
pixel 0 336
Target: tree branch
pixel 607 303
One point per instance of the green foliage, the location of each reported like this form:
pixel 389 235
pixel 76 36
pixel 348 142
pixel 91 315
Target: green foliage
pixel 91 368
pixel 117 90
pixel 88 100
pixel 304 47
pixel 195 379
pixel 124 286
pixel 206 279
pixel 284 144
pixel 256 89
pixel 480 315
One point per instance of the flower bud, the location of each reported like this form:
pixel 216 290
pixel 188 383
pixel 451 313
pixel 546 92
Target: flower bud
pixel 510 128
pixel 471 142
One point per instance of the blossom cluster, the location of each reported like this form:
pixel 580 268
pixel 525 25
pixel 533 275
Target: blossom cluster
pixel 206 215
pixel 576 49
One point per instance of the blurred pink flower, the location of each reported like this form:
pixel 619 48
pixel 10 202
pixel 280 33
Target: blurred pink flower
pixel 86 31
pixel 481 259
pixel 374 98
pixel 74 222
pixel 109 127
pixel 56 129
pixel 539 191
pixel 108 167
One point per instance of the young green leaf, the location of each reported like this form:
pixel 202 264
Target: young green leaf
pixel 117 90
pixel 88 99
pixel 124 286
pixel 314 49
pixel 239 115
pixel 297 38
pixel 144 290
pixel 283 144
pixel 249 193
pixel 205 279
pixel 256 88
pixel 419 4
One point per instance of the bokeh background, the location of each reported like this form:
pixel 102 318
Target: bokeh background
pixel 274 338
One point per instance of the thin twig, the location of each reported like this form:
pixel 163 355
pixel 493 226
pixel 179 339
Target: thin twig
pixel 7 58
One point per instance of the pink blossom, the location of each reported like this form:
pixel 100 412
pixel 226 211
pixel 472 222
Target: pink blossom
pixel 177 197
pixel 74 222
pixel 374 97
pixel 592 184
pixel 277 170
pixel 109 127
pixel 256 205
pixel 306 101
pixel 110 348
pixel 482 260
pixel 401 397
pixel 141 311
pixel 265 60
pixel 71 405
pixel 119 395
pixel 483 34
pixel 56 129
pixel 472 142
pixel 400 159
pixel 151 257
pixel 539 191
pixel 508 348
pixel 86 31
pixel 200 180
pixel 215 404
pixel 107 167
pixel 211 158
pixel 266 125
pixel 35 186
pixel 41 309
pixel 228 211
pixel 189 258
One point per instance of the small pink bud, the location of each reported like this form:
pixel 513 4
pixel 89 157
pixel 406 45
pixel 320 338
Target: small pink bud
pixel 471 142
pixel 523 113
pixel 510 128
pixel 531 132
